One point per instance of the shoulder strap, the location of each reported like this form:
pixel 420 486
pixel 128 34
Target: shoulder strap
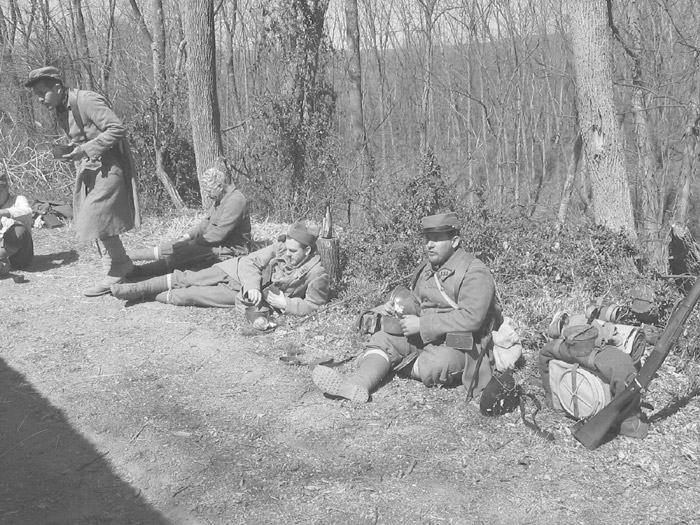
pixel 574 390
pixel 460 273
pixel 444 293
pixel 532 425
pixel 73 101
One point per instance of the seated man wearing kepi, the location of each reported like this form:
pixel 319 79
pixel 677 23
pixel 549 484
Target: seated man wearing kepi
pixel 438 338
pixel 16 244
pixel 222 234
pixel 287 276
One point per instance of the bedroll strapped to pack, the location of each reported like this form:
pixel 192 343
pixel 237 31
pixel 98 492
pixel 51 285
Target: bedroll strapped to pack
pixel 632 340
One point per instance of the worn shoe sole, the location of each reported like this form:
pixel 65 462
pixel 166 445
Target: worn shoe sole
pixel 334 384
pixel 96 291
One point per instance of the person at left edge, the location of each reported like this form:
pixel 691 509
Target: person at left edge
pixel 105 203
pixel 16 244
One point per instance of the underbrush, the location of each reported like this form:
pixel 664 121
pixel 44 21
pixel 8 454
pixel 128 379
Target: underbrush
pixel 539 267
pixel 35 174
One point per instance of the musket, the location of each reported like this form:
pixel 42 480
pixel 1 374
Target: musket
pixel 592 432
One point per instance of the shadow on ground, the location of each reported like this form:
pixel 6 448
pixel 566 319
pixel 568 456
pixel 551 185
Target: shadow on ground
pixel 42 263
pixel 49 473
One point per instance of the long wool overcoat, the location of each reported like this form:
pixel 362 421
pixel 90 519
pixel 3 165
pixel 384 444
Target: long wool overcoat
pixel 104 197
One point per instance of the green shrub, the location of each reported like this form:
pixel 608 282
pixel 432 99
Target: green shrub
pixel 388 251
pixel 291 160
pixel 179 164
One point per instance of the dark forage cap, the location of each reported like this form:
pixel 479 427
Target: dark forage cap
pixel 442 222
pixel 35 75
pixel 305 232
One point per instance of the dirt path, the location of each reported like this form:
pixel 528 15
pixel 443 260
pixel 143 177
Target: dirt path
pixel 147 413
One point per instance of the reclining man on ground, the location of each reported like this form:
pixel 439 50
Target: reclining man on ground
pixel 453 302
pixel 285 277
pixel 16 244
pixel 222 234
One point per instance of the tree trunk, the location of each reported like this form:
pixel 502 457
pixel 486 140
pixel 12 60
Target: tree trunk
pixel 650 204
pixel 106 70
pixel 82 43
pixel 428 10
pixel 602 139
pixel 230 22
pixel 362 185
pixel 570 177
pixel 159 83
pixel 690 145
pixel 7 42
pixel 203 99
pixel 139 20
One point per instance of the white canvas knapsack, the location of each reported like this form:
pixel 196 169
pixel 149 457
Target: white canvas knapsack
pixel 577 391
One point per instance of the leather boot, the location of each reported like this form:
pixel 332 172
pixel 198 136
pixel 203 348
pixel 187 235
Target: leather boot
pixel 134 291
pixel 115 263
pixel 144 254
pixel 356 388
pixel 634 427
pixel 152 269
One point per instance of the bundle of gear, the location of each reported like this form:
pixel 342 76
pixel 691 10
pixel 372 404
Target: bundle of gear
pixel 590 359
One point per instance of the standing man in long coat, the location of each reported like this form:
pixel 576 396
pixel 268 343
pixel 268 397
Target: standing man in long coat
pixel 104 198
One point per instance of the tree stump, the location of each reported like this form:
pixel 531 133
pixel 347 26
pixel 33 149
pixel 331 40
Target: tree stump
pixel 328 248
pixel 683 255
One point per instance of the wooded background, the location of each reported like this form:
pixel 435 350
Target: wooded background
pixel 569 110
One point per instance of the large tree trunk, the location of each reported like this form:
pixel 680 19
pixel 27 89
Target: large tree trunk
pixel 363 180
pixel 570 177
pixel 650 204
pixel 688 166
pixel 602 139
pixel 203 100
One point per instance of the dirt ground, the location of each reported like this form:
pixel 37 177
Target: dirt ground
pixel 144 413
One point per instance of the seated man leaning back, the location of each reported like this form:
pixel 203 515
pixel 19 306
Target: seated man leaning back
pixel 453 298
pixel 222 234
pixel 287 276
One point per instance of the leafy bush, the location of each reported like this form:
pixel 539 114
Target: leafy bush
pixel 388 251
pixel 291 161
pixel 179 163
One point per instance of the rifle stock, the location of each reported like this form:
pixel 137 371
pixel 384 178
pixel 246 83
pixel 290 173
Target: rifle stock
pixel 592 432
